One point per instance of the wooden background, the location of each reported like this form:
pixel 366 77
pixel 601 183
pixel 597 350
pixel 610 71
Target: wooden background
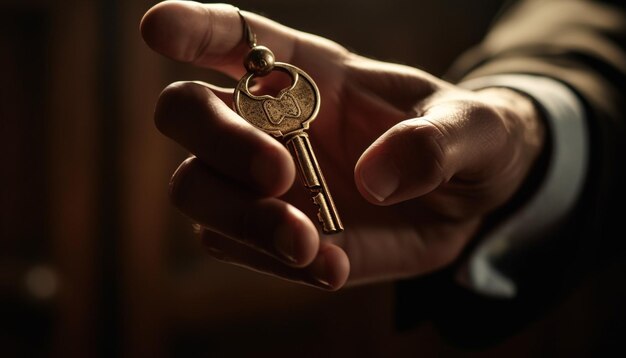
pixel 93 259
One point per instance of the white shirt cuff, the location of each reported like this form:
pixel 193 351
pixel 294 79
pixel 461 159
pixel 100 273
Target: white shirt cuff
pixel 553 200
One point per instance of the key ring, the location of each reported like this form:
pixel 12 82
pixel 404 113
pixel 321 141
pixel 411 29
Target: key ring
pixel 249 36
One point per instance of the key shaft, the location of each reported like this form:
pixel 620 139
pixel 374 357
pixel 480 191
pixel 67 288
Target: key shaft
pixel 313 179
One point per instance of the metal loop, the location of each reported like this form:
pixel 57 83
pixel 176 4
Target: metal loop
pixel 249 36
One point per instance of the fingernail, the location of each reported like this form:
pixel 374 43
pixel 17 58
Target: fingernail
pixel 380 177
pixel 284 243
pixel 319 272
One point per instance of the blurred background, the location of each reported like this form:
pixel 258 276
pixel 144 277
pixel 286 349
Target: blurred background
pixel 93 259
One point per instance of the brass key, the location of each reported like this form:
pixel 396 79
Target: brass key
pixel 286 117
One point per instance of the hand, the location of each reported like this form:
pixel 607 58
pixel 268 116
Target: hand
pixel 414 163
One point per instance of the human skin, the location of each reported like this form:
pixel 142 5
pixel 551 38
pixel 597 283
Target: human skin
pixel 414 163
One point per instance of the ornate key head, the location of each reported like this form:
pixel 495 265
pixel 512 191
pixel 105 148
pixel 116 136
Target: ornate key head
pixel 290 111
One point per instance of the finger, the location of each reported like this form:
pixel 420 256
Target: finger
pixel 268 225
pixel 225 94
pixel 329 270
pixel 192 115
pixel 211 35
pixel 416 156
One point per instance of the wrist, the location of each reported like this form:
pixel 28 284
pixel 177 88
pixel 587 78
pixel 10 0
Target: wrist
pixel 528 132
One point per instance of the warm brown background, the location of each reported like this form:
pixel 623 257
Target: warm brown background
pixel 94 261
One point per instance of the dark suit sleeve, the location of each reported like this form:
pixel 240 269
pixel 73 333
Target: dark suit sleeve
pixel 583 45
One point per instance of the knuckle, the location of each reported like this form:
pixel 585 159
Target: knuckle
pixel 176 100
pixel 489 121
pixel 179 182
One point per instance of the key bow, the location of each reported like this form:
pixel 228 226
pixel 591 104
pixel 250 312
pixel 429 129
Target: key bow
pixel 290 112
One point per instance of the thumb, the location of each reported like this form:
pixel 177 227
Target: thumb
pixel 417 155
